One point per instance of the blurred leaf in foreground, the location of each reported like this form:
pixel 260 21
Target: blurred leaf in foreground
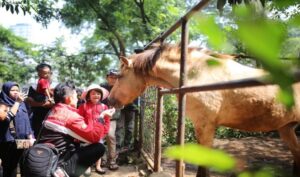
pixel 213 62
pixel 202 156
pixel 216 36
pixel 264 38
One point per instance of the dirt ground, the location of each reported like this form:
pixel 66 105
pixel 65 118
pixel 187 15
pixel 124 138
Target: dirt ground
pixel 255 152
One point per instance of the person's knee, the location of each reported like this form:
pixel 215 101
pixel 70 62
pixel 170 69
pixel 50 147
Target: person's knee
pixel 96 150
pixel 101 149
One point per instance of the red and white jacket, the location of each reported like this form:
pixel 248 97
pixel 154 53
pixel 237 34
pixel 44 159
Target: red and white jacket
pixel 92 112
pixel 66 119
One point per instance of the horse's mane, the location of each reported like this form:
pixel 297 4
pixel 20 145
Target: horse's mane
pixel 145 61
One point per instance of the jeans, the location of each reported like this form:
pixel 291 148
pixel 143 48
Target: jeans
pixel 111 142
pixel 125 128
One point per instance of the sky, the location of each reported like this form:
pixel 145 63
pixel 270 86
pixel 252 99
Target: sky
pixel 41 35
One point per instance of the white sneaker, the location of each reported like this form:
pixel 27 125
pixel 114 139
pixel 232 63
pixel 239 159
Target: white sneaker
pixel 59 172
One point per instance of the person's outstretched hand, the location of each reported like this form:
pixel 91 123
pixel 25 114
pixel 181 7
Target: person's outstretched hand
pixel 108 112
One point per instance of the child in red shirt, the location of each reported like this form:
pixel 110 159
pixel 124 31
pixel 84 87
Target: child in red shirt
pixel 92 109
pixel 43 85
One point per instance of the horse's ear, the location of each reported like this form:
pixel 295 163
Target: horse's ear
pixel 125 60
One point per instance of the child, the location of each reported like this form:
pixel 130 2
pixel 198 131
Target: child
pixel 4 108
pixel 43 85
pixel 92 109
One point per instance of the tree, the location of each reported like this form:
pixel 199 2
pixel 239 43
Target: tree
pixel 82 68
pixel 118 28
pixel 16 57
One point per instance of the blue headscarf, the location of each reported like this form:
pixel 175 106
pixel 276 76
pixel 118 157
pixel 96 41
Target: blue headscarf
pixel 21 120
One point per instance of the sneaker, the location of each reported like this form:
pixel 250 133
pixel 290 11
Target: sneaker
pixel 60 172
pixel 113 166
pixel 129 160
pixel 88 172
pixel 100 171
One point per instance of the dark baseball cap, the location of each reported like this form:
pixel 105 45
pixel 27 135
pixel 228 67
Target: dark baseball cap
pixel 112 72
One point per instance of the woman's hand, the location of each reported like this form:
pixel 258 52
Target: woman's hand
pixel 21 97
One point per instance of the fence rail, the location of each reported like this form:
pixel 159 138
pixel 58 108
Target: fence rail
pixel 251 82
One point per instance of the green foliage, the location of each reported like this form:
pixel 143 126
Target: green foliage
pixel 213 62
pixel 120 26
pixel 225 132
pixel 83 68
pixel 170 117
pixel 217 38
pixel 279 4
pixel 261 172
pixel 17 6
pixel 202 156
pixel 15 56
pixel 266 46
pixel 291 48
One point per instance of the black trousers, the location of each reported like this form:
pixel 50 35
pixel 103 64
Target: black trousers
pixel 83 158
pixel 38 116
pixel 10 157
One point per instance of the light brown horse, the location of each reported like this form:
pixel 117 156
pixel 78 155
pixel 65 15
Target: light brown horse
pixel 250 109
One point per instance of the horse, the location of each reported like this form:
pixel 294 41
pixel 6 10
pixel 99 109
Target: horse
pixel 248 109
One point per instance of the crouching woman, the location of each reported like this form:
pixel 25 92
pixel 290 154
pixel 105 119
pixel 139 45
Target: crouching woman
pixel 66 130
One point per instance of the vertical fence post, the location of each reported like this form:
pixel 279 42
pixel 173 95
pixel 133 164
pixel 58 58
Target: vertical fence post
pixel 158 131
pixel 141 124
pixel 181 96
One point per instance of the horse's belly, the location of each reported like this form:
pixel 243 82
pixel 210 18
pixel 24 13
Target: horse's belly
pixel 253 109
pixel 259 116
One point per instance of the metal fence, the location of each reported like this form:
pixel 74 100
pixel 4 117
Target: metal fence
pixel 145 123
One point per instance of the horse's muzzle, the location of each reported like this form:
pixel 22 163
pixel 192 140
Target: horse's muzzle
pixel 114 103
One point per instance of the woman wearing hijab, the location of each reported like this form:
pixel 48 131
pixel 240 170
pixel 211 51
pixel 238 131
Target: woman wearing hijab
pixel 15 126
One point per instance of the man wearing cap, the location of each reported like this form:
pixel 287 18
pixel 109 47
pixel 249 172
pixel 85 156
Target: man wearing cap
pixel 111 78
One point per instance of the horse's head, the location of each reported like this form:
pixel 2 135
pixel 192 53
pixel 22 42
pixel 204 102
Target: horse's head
pixel 128 86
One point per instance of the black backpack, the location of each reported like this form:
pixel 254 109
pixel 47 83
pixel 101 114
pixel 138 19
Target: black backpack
pixel 40 160
pixel 36 96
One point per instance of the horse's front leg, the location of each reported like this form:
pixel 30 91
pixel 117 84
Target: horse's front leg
pixel 205 135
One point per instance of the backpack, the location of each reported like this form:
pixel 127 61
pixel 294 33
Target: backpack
pixel 40 160
pixel 36 96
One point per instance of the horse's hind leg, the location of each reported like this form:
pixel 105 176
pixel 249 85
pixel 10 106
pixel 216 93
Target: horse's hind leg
pixel 288 135
pixel 205 136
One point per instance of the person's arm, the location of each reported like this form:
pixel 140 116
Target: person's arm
pixel 92 131
pixel 48 95
pixel 33 103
